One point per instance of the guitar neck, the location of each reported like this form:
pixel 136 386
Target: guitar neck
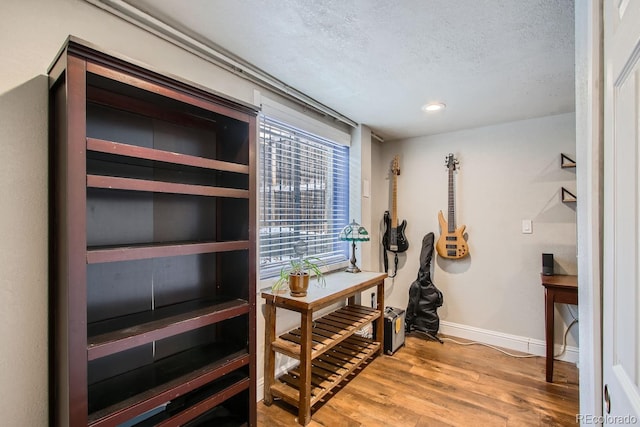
pixel 394 202
pixel 451 212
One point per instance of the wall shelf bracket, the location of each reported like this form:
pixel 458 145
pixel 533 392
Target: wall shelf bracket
pixel 566 161
pixel 568 196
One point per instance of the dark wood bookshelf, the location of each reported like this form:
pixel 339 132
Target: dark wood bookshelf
pixel 153 246
pixel 116 148
pixel 119 398
pixel 144 251
pixel 118 183
pixel 122 333
pixel 202 401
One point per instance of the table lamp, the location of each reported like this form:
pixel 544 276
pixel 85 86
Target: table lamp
pixel 353 233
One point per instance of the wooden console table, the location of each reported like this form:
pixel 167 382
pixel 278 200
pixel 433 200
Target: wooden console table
pixel 326 347
pixel 558 288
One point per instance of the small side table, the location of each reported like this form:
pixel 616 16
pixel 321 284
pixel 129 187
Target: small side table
pixel 327 347
pixel 558 288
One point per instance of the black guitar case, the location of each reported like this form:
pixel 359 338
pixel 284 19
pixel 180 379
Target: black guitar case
pixel 424 297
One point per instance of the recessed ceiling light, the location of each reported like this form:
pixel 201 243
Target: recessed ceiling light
pixel 433 106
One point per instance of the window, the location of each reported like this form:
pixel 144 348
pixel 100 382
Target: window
pixel 304 196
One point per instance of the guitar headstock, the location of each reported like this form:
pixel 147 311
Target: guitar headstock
pixel 395 166
pixel 451 162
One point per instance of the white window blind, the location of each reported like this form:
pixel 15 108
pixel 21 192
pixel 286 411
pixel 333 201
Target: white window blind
pixel 304 196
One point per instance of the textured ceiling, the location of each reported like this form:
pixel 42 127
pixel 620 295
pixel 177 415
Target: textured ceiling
pixel 378 61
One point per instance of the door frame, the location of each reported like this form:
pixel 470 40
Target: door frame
pixel 589 174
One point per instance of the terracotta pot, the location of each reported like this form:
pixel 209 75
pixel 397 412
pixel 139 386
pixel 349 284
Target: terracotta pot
pixel 298 284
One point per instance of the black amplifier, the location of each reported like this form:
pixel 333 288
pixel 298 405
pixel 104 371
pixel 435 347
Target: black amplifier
pixel 393 329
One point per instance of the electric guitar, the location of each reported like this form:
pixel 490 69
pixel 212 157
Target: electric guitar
pixel 451 243
pixel 394 239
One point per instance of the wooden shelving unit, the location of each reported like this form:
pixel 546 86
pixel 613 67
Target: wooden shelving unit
pixel 153 247
pixel 326 347
pixel 335 354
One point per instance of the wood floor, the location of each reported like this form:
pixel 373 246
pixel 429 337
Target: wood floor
pixel 430 384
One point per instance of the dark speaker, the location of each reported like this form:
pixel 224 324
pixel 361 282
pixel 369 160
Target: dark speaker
pixel 547 264
pixel 393 329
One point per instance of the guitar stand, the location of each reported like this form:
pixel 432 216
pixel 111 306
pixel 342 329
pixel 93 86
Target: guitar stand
pixel 427 335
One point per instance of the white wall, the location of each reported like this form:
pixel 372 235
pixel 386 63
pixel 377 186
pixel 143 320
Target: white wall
pixel 23 253
pixel 507 173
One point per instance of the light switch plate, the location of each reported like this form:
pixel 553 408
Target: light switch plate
pixel 527 227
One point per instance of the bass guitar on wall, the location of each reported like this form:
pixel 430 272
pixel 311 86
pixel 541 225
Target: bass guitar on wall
pixel 451 243
pixel 394 239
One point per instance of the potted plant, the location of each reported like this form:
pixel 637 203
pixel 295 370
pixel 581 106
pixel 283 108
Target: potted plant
pixel 296 274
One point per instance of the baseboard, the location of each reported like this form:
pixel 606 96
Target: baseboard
pixel 288 364
pixel 507 341
pixel 260 389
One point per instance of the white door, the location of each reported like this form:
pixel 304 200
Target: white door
pixel 621 286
